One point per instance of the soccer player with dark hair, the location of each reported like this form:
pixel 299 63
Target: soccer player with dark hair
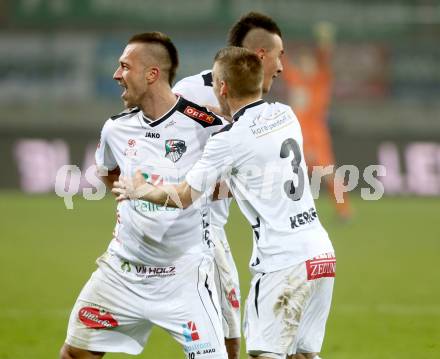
pixel 260 34
pixel 158 268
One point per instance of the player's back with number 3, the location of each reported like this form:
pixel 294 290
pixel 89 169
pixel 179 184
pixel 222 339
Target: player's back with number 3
pixel 269 181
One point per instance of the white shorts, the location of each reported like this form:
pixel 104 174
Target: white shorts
pixel 286 311
pixel 121 302
pixel 227 283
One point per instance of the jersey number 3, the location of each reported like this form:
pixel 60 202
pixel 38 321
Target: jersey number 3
pixel 293 192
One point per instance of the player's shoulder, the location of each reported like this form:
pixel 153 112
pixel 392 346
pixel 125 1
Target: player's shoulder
pixel 278 108
pixel 112 122
pixel 281 106
pixel 225 129
pixel 127 113
pixel 200 114
pixel 197 88
pixel 203 78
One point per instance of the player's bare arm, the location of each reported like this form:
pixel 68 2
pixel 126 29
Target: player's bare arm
pixel 111 177
pixel 177 196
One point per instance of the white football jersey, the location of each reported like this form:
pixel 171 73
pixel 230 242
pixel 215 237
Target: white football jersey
pixel 261 158
pixel 164 150
pixel 198 89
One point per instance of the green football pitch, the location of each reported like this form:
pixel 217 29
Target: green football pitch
pixel 386 299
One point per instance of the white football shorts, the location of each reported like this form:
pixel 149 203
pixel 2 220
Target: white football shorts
pixel 286 311
pixel 227 283
pixel 121 302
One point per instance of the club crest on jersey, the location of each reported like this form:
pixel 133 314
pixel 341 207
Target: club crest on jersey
pixel 174 149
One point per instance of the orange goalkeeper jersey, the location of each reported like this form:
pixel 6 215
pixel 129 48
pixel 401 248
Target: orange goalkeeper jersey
pixel 309 96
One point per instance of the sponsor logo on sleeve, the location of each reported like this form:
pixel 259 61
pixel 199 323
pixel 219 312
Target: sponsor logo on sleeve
pixel 198 115
pixel 97 318
pixel 320 267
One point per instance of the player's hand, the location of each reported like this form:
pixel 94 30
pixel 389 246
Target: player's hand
pixel 325 32
pixel 130 188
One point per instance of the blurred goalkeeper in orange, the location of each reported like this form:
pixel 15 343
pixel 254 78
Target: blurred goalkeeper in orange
pixel 309 82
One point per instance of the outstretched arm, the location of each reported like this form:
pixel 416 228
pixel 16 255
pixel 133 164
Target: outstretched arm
pixel 325 39
pixel 177 196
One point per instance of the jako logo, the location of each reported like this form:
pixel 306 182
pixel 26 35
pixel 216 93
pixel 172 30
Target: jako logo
pixel 190 332
pixel 152 135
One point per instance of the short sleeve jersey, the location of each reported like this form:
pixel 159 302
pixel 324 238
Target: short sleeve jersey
pixel 164 150
pixel 198 88
pixel 261 158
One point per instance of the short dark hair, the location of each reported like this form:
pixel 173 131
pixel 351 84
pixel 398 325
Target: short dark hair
pixel 160 38
pixel 248 22
pixel 241 69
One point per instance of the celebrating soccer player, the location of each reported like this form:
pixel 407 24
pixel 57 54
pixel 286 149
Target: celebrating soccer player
pixel 158 268
pixel 260 156
pixel 260 34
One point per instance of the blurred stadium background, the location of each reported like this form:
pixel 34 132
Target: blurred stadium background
pixel 57 58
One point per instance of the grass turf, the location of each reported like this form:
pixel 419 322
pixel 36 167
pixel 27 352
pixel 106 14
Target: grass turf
pixel 386 300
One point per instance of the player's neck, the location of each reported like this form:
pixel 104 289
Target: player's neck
pixel 236 104
pixel 158 103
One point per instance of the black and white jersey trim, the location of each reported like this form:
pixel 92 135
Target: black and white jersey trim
pixel 154 123
pixel 207 79
pixel 223 129
pixel 130 111
pixel 201 296
pixel 240 113
pixel 257 292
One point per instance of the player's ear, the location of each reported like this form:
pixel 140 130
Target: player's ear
pixel 153 74
pixel 261 53
pixel 223 88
